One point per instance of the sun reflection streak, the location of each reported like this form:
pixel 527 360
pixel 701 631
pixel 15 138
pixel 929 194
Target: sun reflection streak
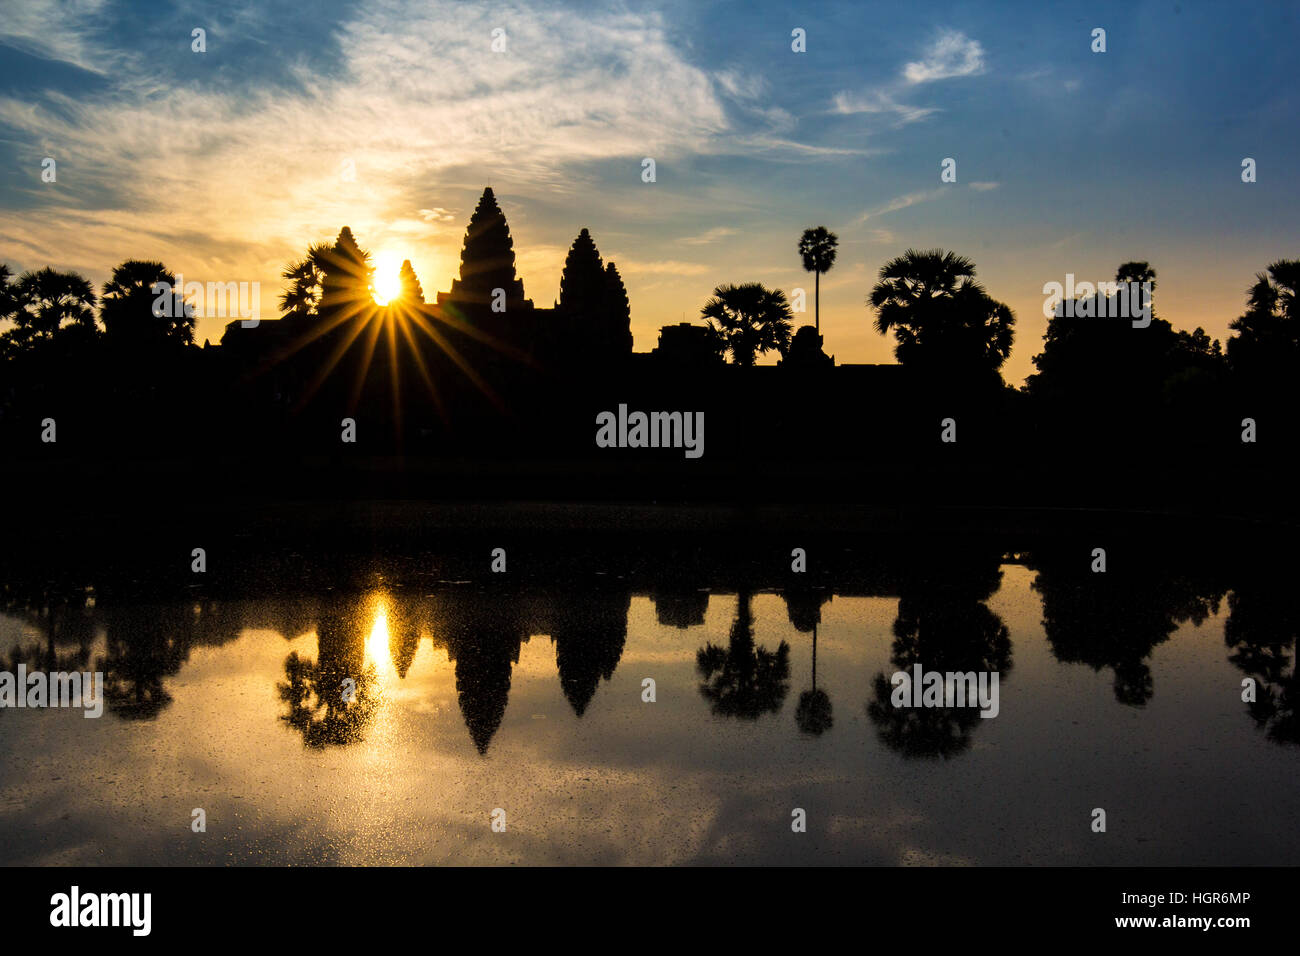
pixel 378 652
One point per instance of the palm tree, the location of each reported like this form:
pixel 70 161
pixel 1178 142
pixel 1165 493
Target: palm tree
pixel 750 319
pixel 817 247
pixel 306 277
pixel 7 301
pixel 1268 334
pixel 47 304
pixel 127 306
pixel 939 314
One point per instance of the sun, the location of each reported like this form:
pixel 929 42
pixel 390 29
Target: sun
pixel 387 283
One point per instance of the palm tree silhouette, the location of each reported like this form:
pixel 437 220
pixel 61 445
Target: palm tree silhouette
pixel 1268 334
pixel 817 248
pixel 48 304
pixel 743 680
pixel 939 314
pixel 302 296
pixel 751 320
pixel 126 306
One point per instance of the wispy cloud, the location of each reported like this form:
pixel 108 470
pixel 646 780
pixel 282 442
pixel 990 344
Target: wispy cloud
pixel 672 267
pixel 64 30
pixel 880 102
pixel 951 54
pixel 704 238
pixel 983 187
pixel 902 202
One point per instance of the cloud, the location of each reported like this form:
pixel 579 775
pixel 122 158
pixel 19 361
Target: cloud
pixel 713 235
pixel 633 267
pixel 62 30
pixel 880 102
pixel 983 187
pixel 902 202
pixel 951 54
pixel 416 99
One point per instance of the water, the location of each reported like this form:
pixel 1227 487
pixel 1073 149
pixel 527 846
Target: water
pixel 473 698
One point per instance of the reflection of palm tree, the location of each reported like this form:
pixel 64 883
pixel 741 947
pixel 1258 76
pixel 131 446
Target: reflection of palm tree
pixel 743 680
pixel 813 715
pixel 943 625
pixel 804 607
pixel 331 700
pixel 145 643
pixel 1262 629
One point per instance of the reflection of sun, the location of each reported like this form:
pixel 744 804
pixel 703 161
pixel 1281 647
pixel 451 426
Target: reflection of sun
pixel 387 278
pixel 377 649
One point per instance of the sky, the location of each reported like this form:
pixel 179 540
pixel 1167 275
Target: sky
pixel 391 116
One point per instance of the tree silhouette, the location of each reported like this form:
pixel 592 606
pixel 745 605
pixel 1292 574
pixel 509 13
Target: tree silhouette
pixel 1116 619
pixel 942 319
pixel 137 316
pixel 1267 344
pixel 323 707
pixel 751 320
pixel 944 625
pixel 48 305
pixel 817 249
pixel 1147 366
pixel 301 298
pixel 1261 630
pixel 743 680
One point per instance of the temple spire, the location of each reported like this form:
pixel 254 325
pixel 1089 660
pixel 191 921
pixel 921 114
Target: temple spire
pixel 487 259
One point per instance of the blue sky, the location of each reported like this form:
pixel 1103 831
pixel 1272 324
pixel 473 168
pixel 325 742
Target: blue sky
pixel 225 164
